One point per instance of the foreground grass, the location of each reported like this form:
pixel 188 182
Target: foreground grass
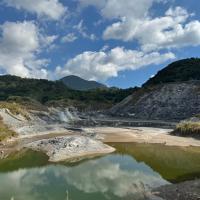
pixel 5 131
pixel 188 129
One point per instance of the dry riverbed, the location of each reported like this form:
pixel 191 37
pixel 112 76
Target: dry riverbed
pixel 89 142
pixel 142 135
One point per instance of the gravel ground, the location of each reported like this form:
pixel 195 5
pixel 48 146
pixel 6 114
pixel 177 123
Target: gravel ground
pixel 189 190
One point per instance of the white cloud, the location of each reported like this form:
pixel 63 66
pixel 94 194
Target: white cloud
pixel 116 9
pixel 20 44
pixel 169 31
pixel 105 48
pixel 135 23
pixel 103 65
pixel 83 31
pixel 50 8
pixel 71 37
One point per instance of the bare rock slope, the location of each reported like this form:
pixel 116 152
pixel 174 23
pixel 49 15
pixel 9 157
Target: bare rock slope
pixel 169 101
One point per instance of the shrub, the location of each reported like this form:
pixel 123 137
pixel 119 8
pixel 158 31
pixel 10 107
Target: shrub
pixel 188 128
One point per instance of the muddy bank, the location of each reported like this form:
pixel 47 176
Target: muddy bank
pixel 98 135
pixel 189 190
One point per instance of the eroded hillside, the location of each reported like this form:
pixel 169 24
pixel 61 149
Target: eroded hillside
pixel 167 101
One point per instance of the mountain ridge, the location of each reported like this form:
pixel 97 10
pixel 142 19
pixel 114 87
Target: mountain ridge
pixel 179 71
pixel 78 83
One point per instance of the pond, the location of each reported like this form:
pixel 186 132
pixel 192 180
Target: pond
pixel 129 173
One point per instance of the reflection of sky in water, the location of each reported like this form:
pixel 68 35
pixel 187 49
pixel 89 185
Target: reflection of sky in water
pixel 110 177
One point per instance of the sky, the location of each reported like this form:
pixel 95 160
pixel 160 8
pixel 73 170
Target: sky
pixel 120 43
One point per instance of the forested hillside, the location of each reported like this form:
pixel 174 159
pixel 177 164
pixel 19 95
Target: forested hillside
pixel 182 70
pixel 52 92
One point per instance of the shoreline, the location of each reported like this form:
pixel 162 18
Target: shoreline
pixel 105 135
pixel 148 135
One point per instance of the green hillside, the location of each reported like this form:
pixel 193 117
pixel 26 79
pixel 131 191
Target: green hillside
pixel 55 92
pixel 77 83
pixel 182 70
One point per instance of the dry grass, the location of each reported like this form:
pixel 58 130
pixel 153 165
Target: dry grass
pixel 188 129
pixel 5 131
pixel 14 108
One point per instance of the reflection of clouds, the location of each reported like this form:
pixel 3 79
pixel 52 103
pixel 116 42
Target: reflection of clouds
pixel 105 176
pixel 102 176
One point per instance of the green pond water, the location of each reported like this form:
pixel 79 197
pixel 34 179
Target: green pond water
pixel 128 174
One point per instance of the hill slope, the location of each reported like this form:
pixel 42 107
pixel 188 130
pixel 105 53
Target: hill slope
pixel 77 83
pixel 56 93
pixel 182 70
pixel 173 94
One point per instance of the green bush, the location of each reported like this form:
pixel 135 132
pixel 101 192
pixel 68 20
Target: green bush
pixel 13 88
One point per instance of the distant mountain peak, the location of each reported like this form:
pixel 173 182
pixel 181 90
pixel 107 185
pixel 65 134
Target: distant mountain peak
pixel 77 83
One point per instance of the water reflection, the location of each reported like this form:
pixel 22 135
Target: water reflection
pixel 110 177
pixel 129 174
pixel 172 163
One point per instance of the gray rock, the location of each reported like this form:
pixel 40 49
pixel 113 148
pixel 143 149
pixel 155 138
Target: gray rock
pixel 175 101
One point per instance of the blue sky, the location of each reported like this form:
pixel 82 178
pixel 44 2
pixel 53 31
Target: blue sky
pixel 120 43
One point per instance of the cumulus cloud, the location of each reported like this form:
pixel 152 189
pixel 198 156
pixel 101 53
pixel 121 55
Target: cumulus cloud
pixel 52 9
pixel 135 23
pixel 116 9
pixel 169 31
pixel 103 65
pixel 19 51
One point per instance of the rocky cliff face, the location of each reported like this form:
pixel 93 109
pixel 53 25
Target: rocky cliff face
pixel 172 101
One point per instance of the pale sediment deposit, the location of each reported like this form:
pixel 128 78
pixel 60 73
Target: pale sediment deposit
pixel 142 135
pixel 70 147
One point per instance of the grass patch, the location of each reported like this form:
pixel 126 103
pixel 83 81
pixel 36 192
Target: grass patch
pixel 14 108
pixel 5 131
pixel 188 129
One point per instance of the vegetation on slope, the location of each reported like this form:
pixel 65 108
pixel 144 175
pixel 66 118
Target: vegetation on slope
pixel 188 128
pixel 5 131
pixel 14 108
pixel 77 83
pixel 55 92
pixel 182 70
